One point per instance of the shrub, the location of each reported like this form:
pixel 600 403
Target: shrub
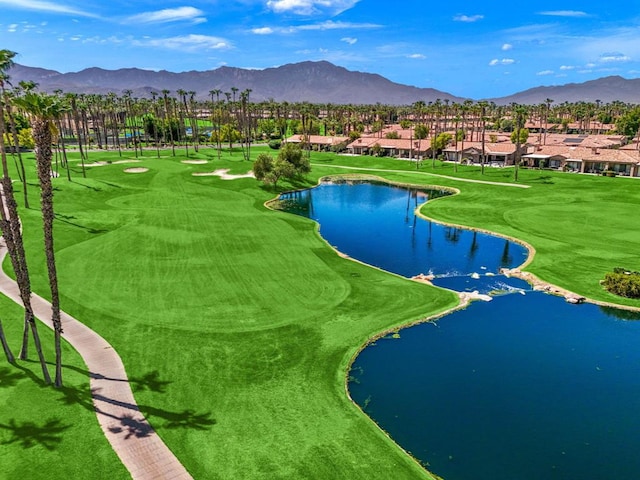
pixel 623 282
pixel 275 144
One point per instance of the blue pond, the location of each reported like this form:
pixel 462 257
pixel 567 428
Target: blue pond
pixel 523 387
pixel 375 223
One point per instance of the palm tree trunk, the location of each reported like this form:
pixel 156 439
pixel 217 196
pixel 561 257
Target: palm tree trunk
pixel 10 227
pixel 16 145
pixel 42 137
pixel 5 346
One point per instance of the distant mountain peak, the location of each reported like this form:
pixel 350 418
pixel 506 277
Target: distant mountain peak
pixel 311 81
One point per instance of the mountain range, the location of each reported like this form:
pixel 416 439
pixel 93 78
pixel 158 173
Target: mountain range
pixel 315 82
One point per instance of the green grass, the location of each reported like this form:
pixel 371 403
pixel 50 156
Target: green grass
pixel 48 433
pixel 237 323
pixel 245 313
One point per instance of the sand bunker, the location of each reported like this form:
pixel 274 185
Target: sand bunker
pixel 102 163
pixel 222 173
pixel 136 170
pixel 194 162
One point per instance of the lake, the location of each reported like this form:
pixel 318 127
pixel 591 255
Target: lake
pixel 523 387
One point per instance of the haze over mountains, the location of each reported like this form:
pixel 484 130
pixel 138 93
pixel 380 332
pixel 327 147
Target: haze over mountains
pixel 315 82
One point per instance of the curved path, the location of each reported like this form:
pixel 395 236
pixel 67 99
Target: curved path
pixel 139 447
pixel 468 180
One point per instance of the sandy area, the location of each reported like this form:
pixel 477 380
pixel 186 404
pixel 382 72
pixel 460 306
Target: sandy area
pixel 136 170
pixel 102 164
pixel 194 162
pixel 222 173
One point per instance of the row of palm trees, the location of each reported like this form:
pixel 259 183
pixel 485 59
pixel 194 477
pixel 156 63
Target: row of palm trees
pixel 42 111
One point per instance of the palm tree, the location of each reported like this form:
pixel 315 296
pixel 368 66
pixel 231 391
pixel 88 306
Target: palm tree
pixel 519 112
pixel 217 115
pixel 44 109
pixel 6 62
pixel 12 233
pixel 483 110
pixel 168 120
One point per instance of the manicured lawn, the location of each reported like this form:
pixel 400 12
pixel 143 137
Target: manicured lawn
pixel 243 319
pixel 238 323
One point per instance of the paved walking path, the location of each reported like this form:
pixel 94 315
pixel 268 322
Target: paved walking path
pixel 468 180
pixel 139 447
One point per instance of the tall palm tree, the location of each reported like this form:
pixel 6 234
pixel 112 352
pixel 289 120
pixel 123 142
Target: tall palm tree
pixel 44 109
pixel 12 233
pixel 6 62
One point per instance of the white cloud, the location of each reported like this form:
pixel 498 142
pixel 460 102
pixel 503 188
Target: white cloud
pixel 545 72
pixel 262 31
pixel 468 18
pixel 328 25
pixel 506 47
pixel 311 7
pixel 44 6
pixel 331 25
pixel 167 15
pixel 12 28
pixel 564 13
pixel 349 40
pixel 418 56
pixel 504 61
pixel 567 67
pixel 613 57
pixel 187 43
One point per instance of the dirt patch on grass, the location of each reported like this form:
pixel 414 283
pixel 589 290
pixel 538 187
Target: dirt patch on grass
pixel 194 162
pixel 136 170
pixel 222 173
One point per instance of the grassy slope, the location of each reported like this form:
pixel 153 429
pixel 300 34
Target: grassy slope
pixel 242 321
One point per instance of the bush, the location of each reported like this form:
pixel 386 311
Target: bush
pixel 623 282
pixel 275 144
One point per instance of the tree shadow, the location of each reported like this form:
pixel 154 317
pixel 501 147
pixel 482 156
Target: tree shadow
pixel 29 434
pixel 114 185
pixel 185 419
pixel 546 179
pixel 67 219
pixel 9 378
pixel 91 399
pixel 131 427
pixel 150 381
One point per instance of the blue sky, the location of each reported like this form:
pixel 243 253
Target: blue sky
pixel 468 48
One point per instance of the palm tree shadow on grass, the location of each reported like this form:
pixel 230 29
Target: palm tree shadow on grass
pixel 67 219
pixel 149 381
pixel 29 434
pixel 9 378
pixel 129 423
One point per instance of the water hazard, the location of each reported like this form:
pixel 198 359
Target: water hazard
pixel 523 387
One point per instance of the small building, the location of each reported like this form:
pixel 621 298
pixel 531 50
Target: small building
pixel 319 142
pixel 585 160
pixel 391 147
pixel 496 154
